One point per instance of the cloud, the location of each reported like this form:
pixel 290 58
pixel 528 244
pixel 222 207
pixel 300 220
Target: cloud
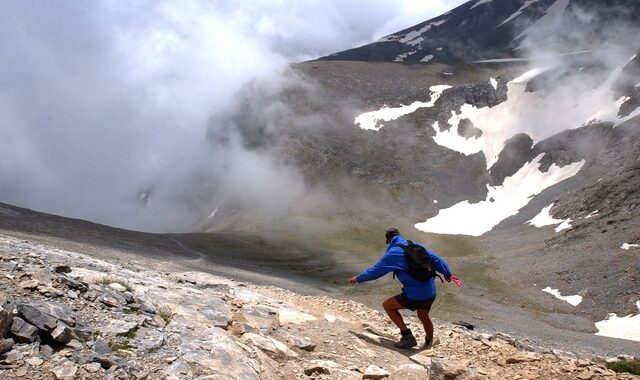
pixel 105 107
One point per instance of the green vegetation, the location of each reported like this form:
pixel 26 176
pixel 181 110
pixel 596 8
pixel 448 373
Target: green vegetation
pixel 631 366
pixel 166 314
pixel 119 345
pixel 106 280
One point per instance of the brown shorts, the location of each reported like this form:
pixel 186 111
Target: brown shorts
pixel 414 305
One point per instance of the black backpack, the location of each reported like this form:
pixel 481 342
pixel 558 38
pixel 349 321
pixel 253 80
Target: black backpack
pixel 421 265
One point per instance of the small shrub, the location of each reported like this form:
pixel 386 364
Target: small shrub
pixel 106 280
pixel 631 366
pixel 166 314
pixel 117 346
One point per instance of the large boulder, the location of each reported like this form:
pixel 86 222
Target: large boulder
pixel 36 317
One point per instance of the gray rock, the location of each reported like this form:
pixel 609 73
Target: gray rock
pixel 375 373
pixel 145 305
pixel 82 333
pixel 5 322
pixel 34 361
pixel 62 333
pixel 101 347
pixel 149 339
pixel 443 369
pixel 62 269
pixel 22 331
pixel 119 328
pixel 410 372
pixel 36 317
pixel 66 370
pixel 46 351
pixel 72 294
pixel 73 283
pixel 12 357
pixel 57 310
pixel 218 318
pixel 269 345
pixel 29 284
pixel 75 344
pixel 320 367
pixel 92 367
pixel 301 343
pixel 6 345
pixel 112 298
pixel 43 276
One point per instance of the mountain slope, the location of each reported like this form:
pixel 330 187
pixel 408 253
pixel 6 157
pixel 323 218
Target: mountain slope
pixel 498 29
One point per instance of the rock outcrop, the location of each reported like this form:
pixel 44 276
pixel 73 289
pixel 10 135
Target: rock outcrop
pixel 81 318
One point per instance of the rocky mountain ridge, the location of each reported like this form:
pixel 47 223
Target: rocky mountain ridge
pixel 481 30
pixel 66 315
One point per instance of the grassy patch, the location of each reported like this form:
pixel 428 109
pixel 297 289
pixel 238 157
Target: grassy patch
pixel 106 280
pixel 166 314
pixel 631 366
pixel 119 345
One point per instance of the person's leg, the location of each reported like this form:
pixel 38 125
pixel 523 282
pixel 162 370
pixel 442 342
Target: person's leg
pixel 391 306
pixel 423 315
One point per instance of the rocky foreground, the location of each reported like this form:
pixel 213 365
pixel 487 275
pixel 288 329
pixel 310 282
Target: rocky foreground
pixel 66 315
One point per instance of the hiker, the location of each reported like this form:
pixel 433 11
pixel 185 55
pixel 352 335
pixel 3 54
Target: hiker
pixel 416 295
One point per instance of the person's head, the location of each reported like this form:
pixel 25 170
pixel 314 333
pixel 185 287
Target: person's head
pixel 391 232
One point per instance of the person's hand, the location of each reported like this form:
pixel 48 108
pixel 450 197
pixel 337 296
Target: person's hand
pixel 455 280
pixel 352 280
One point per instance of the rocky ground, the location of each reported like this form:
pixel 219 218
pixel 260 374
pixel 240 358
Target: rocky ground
pixel 66 315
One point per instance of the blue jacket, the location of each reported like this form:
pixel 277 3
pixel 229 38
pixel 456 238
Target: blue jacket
pixel 393 260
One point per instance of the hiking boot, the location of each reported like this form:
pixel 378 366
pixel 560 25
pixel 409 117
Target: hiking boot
pixel 407 341
pixel 430 343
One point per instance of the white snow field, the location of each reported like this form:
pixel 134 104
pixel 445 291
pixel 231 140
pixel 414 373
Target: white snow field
pixel 621 327
pixel 544 218
pixel 572 300
pixel 531 113
pixel 502 201
pixel 373 120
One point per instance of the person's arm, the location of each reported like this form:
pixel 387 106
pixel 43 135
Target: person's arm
pixel 379 269
pixel 440 265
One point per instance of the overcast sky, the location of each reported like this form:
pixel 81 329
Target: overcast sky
pixel 104 104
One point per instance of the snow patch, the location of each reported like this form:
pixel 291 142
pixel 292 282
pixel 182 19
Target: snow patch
pixel 552 17
pixel 435 201
pixel 515 115
pixel 627 246
pixel 214 212
pixel 517 13
pixel 480 2
pixel 620 327
pixel 413 37
pixel 372 120
pixel 447 73
pixel 565 225
pixel 572 300
pixel 402 56
pixel 591 215
pixel 502 201
pixel 494 83
pixel 452 140
pixel 427 58
pixel 544 218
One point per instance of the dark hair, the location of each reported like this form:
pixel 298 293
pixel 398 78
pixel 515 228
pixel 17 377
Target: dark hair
pixel 391 232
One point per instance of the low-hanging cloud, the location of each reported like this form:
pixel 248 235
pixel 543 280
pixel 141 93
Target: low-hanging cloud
pixel 104 106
